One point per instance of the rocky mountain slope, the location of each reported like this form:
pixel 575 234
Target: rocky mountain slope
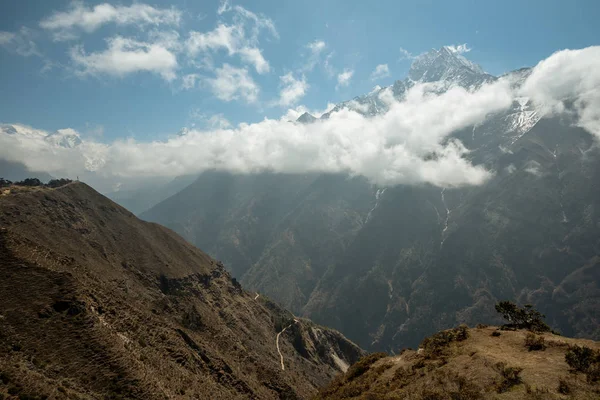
pixel 481 363
pixel 99 304
pixel 387 266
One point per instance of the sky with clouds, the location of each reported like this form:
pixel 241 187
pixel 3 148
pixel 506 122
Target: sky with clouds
pixel 127 76
pixel 145 70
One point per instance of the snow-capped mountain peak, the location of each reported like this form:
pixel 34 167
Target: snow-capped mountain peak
pixel 67 138
pixel 306 118
pixel 446 66
pixel 22 130
pixel 442 65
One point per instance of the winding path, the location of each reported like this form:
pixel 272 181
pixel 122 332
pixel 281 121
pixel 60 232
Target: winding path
pixel 277 343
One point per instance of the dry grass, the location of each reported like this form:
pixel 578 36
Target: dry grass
pixel 480 367
pixel 95 303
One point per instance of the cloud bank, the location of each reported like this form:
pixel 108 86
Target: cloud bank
pixel 410 144
pixel 389 149
pixel 64 24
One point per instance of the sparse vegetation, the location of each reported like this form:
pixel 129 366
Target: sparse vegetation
pixel 534 342
pixel 35 182
pixel 495 334
pixel 30 182
pixel 510 376
pixel 522 318
pixel 586 360
pixel 563 387
pixel 54 183
pixel 435 345
pixel 363 365
pixel 581 358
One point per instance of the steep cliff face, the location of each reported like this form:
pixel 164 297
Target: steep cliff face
pixel 96 303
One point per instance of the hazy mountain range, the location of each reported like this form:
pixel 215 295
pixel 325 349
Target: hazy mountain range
pixel 387 265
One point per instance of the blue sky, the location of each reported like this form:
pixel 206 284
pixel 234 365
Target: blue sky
pixel 63 70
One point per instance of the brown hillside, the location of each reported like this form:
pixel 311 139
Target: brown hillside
pixel 468 365
pixel 96 303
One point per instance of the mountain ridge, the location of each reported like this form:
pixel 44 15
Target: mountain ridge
pixel 131 310
pixel 347 253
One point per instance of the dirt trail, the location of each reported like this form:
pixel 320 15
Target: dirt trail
pixel 277 343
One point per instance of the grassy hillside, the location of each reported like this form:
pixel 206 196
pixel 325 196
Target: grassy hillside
pixel 477 363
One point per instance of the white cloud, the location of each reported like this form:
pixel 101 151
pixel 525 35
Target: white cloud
pixel 125 56
pixel 169 39
pixel 292 89
pixel 388 149
pixel 406 55
pixel 381 71
pixel 6 38
pixel 534 168
pixel 253 56
pixel 189 81
pixel 407 145
pixel 214 121
pixel 460 49
pixel 239 38
pixel 224 7
pixel 20 42
pixel 315 49
pixel 317 46
pixel 327 65
pixel 292 114
pixel 344 78
pixel 88 19
pixel 233 83
pixel 218 121
pixel 568 76
pixel 259 22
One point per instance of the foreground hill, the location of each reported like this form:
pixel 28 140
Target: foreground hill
pixel 469 364
pixel 98 304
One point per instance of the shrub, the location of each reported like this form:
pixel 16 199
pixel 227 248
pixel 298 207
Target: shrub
pixel 434 345
pixel 4 182
pixel 563 387
pixel 510 377
pixel 30 182
pixel 536 393
pixel 593 373
pixel 522 318
pixel 54 183
pixel 534 342
pixel 495 334
pixel 481 326
pixel 581 358
pixel 363 365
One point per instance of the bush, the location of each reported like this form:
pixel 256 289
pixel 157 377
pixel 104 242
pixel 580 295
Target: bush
pixel 534 342
pixel 510 377
pixel 54 183
pixel 30 182
pixel 581 358
pixel 4 182
pixel 363 365
pixel 495 334
pixel 434 345
pixel 522 318
pixel 563 387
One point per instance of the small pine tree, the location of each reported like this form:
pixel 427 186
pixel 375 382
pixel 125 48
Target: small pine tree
pixel 522 318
